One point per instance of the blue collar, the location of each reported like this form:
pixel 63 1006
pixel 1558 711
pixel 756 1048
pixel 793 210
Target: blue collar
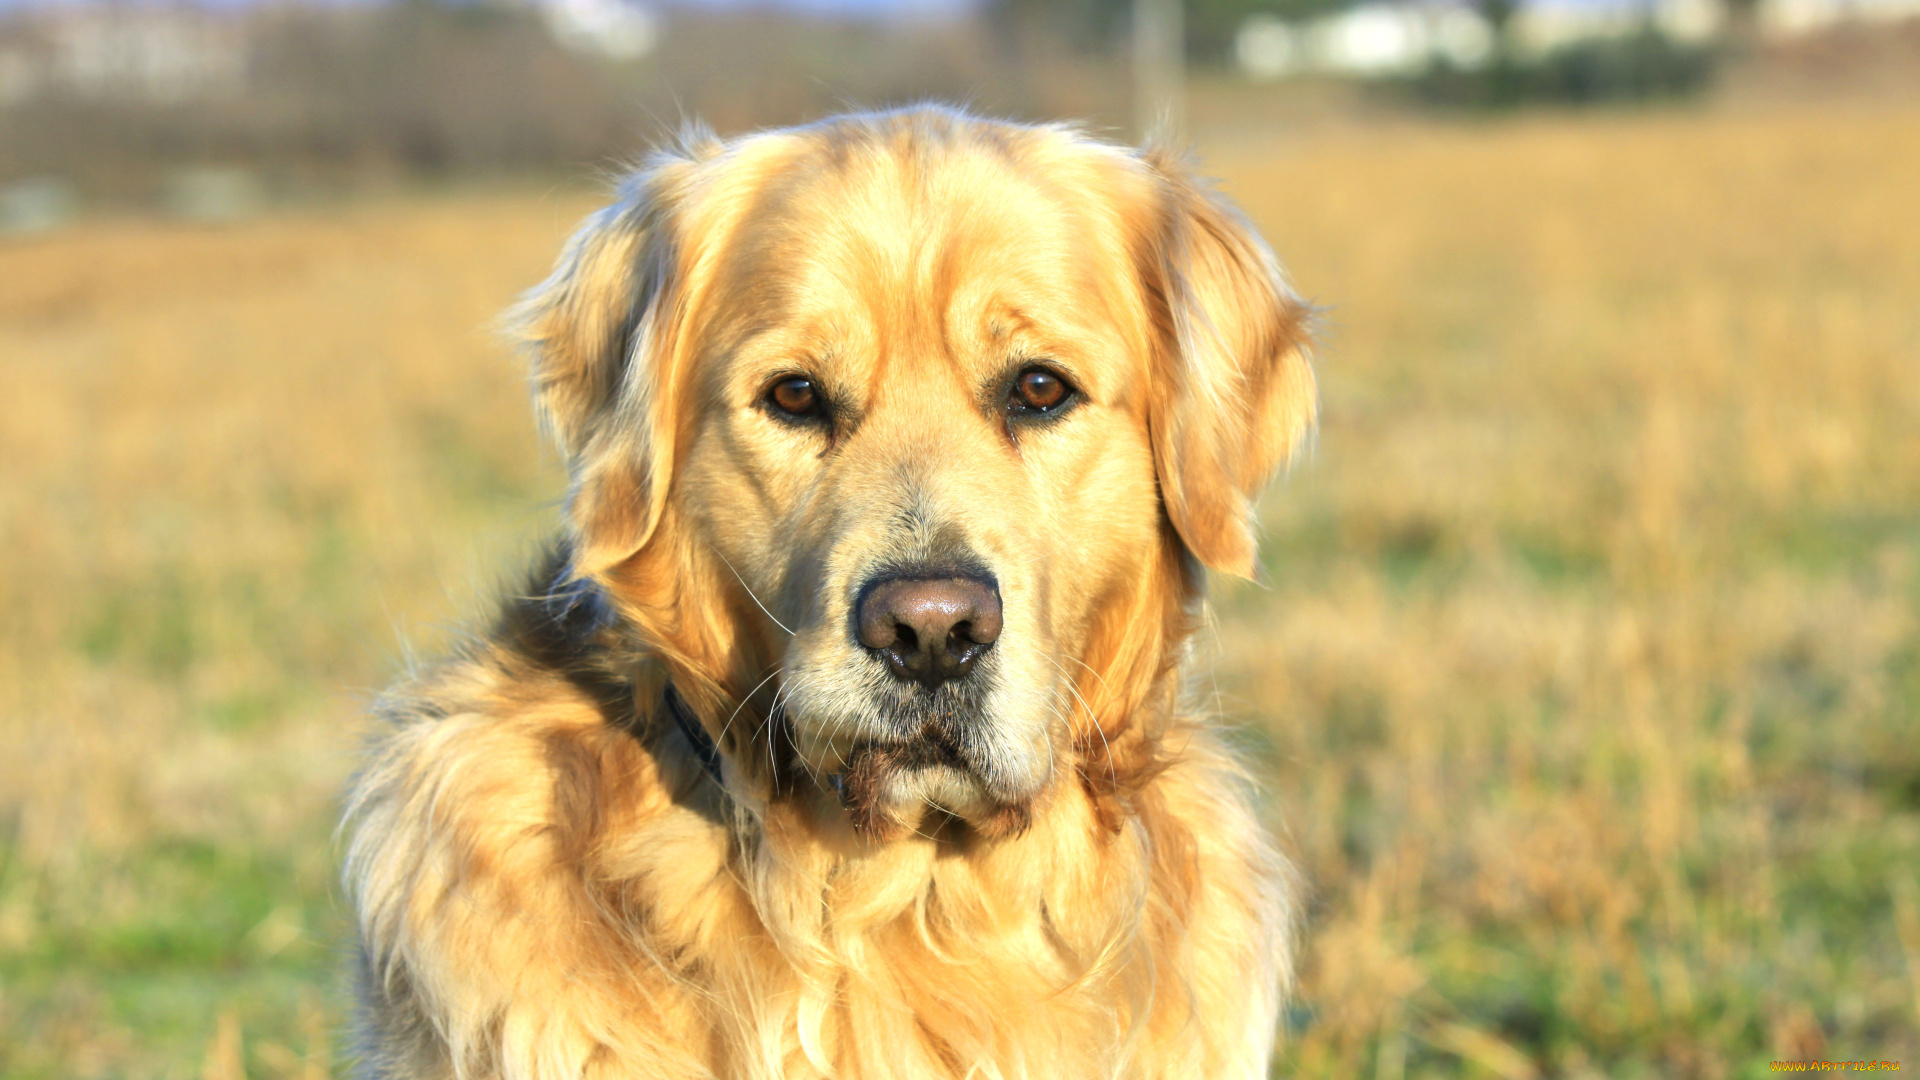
pixel 697 736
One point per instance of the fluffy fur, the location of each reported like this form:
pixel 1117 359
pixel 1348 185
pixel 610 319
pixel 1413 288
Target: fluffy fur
pixel 1073 882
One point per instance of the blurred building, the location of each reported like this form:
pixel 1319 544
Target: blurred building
pixel 121 52
pixel 1368 41
pixel 616 29
pixel 1409 37
pixel 1539 28
pixel 1794 18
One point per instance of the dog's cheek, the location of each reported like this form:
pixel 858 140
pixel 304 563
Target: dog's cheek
pixel 823 696
pixel 741 526
pixel 1031 708
pixel 1103 505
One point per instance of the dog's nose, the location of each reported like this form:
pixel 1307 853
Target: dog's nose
pixel 929 630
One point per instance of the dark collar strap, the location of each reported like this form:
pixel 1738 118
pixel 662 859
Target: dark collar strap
pixel 697 736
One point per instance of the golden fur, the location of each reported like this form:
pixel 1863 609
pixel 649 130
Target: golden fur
pixel 549 882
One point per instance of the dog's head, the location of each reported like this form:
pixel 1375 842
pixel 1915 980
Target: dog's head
pixel 897 438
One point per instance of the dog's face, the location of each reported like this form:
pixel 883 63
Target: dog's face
pixel 926 452
pixel 941 408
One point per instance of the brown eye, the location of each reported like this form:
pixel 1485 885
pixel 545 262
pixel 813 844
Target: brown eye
pixel 1040 390
pixel 795 396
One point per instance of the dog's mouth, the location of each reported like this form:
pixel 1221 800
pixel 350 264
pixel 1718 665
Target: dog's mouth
pixel 887 787
pixel 966 753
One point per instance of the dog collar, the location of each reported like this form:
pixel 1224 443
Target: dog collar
pixel 697 736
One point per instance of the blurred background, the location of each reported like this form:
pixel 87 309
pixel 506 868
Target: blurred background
pixel 1585 679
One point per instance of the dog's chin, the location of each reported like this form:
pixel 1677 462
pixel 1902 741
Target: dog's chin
pixel 890 790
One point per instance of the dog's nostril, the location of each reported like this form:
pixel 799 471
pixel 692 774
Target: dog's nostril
pixel 929 630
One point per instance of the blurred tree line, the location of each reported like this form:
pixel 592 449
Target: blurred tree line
pixel 337 96
pixel 340 95
pixel 1097 25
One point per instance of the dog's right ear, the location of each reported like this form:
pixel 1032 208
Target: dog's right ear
pixel 597 334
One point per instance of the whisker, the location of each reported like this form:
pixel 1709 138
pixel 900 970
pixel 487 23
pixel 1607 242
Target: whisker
pixel 749 588
pixel 1113 771
pixel 780 697
pixel 1096 674
pixel 724 728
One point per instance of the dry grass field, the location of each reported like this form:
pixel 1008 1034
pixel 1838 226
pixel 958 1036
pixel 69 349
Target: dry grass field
pixel 1586 678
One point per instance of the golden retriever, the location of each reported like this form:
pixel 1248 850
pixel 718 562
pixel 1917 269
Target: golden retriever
pixel 844 734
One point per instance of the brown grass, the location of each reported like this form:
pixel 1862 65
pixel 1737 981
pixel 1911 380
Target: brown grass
pixel 1587 675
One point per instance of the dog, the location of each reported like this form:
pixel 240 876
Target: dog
pixel 844 731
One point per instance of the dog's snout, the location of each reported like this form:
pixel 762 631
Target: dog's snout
pixel 929 630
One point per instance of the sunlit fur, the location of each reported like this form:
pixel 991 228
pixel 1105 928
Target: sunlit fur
pixel 548 881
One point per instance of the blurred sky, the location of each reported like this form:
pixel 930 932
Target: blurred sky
pixel 899 8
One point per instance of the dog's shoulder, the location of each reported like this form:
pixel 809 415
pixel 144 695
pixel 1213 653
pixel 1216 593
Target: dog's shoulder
pixel 501 783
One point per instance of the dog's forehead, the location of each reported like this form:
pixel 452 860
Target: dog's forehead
pixel 890 245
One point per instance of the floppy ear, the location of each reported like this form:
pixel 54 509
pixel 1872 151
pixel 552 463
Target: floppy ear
pixel 1234 393
pixel 596 334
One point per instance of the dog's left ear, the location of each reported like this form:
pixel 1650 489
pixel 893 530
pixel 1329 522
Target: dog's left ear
pixel 600 347
pixel 1233 391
